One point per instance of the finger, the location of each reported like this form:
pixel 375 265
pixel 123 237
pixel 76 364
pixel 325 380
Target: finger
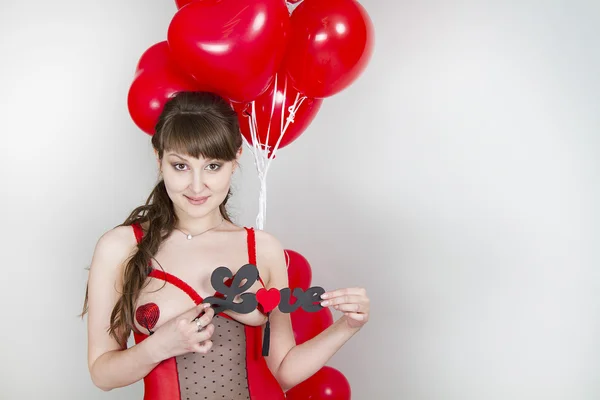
pixel 344 299
pixel 201 322
pixel 352 308
pixel 342 292
pixel 196 311
pixel 207 316
pixel 204 334
pixel 203 347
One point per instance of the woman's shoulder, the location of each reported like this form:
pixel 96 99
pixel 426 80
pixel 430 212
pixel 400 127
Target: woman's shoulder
pixel 270 256
pixel 121 235
pixel 116 244
pixel 266 240
pixel 269 248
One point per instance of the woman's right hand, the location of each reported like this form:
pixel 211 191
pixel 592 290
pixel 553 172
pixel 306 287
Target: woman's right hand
pixel 180 335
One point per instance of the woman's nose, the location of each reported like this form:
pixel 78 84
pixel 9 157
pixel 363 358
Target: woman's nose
pixel 197 182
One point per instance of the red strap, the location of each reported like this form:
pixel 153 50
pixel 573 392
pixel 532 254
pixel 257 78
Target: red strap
pixel 138 232
pixel 252 249
pixel 175 281
pixel 261 382
pixel 251 245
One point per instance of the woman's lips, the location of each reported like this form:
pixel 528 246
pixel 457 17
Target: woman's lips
pixel 197 200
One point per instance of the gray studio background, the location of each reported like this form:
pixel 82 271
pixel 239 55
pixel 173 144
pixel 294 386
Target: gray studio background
pixel 457 180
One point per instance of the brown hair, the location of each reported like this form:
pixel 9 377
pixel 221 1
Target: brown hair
pixel 194 124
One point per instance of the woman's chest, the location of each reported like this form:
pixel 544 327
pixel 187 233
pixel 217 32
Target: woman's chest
pixel 180 279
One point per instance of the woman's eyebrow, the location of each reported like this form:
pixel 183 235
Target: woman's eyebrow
pixel 178 156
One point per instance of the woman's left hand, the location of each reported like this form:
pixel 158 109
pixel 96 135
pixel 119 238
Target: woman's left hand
pixel 353 302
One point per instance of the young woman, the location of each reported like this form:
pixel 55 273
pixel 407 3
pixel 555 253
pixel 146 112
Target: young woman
pixel 151 274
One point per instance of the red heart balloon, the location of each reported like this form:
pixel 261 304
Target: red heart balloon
pixel 330 46
pixel 157 78
pixel 327 384
pixel 181 3
pixel 272 112
pixel 299 270
pixel 307 325
pixel 157 56
pixel 235 46
pixel 268 299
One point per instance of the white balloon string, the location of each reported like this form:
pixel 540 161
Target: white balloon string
pixel 263 155
pixel 281 131
pixel 259 161
pixel 274 100
pixel 290 118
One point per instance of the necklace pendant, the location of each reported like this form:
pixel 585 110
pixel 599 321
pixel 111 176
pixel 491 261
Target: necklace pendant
pixel 189 237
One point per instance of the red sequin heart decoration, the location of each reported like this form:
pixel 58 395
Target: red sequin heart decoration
pixel 268 299
pixel 147 315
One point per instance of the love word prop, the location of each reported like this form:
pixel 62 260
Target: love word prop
pixel 309 300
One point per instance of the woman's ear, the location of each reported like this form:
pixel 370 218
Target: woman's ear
pixel 236 162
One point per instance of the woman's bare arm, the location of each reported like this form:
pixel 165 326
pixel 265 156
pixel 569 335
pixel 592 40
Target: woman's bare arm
pixel 110 365
pixel 290 363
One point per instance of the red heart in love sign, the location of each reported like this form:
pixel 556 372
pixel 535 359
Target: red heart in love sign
pixel 234 46
pixel 268 299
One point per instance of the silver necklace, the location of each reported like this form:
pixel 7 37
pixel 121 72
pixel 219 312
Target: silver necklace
pixel 190 236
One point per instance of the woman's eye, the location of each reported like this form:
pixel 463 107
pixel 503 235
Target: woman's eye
pixel 176 166
pixel 214 167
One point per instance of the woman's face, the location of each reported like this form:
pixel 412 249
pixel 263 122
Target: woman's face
pixel 197 186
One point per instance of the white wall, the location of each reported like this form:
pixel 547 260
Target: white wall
pixel 456 181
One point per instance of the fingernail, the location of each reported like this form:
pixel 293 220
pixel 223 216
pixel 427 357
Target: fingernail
pixel 206 305
pixel 324 296
pixel 325 303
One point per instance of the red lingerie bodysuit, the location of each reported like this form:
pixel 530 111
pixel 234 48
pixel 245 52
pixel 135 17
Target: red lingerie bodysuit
pixel 233 369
